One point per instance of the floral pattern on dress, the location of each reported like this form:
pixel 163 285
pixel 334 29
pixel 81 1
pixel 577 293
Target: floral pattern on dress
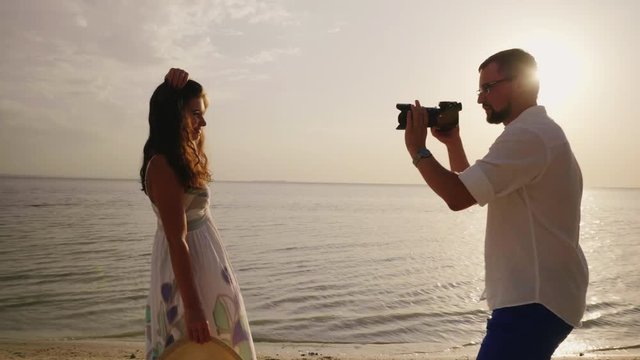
pixel 169 318
pixel 230 323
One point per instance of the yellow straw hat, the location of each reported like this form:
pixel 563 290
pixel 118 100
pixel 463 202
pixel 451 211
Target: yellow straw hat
pixel 184 349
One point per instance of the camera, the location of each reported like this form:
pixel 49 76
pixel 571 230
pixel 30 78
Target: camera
pixel 443 118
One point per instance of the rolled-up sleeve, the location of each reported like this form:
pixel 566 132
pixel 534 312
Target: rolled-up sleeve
pixel 477 184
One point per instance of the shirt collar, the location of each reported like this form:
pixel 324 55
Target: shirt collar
pixel 532 112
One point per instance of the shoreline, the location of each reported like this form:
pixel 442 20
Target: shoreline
pixel 112 349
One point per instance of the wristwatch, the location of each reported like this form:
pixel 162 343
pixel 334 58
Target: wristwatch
pixel 421 154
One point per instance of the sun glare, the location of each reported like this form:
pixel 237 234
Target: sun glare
pixel 561 70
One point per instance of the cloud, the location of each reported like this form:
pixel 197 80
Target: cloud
pixel 238 74
pixel 272 55
pixel 258 11
pixel 106 52
pixel 231 32
pixel 336 28
pixel 84 70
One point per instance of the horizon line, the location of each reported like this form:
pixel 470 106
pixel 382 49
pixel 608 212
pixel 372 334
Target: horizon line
pixel 59 177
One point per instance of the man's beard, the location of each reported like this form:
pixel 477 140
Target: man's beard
pixel 497 117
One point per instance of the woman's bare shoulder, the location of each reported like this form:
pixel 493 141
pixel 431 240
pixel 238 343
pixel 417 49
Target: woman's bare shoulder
pixel 163 182
pixel 158 163
pixel 159 170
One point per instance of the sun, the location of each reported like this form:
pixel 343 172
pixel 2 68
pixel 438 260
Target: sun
pixel 561 70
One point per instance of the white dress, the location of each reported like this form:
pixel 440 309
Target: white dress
pixel 216 284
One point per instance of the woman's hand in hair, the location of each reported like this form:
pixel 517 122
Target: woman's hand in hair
pixel 176 78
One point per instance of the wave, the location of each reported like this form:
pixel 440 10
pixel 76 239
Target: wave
pixel 122 335
pixel 609 314
pixel 53 205
pixel 616 348
pixel 266 339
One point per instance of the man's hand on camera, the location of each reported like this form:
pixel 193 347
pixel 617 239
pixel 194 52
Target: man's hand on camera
pixel 448 137
pixel 176 78
pixel 415 135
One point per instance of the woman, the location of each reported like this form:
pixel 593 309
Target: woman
pixel 194 293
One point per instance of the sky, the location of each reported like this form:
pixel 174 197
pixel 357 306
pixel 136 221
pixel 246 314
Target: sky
pixel 305 90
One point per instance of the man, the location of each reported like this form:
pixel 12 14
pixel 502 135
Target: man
pixel 536 275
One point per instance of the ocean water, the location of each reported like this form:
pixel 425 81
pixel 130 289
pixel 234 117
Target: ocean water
pixel 321 263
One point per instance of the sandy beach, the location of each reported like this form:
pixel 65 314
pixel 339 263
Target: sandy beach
pixel 118 350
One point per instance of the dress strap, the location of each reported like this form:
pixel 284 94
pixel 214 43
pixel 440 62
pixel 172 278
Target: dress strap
pixel 146 175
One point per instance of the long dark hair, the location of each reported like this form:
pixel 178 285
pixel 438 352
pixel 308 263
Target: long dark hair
pixel 169 135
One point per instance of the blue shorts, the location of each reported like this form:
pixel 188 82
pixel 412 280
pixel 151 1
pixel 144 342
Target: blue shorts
pixel 525 332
